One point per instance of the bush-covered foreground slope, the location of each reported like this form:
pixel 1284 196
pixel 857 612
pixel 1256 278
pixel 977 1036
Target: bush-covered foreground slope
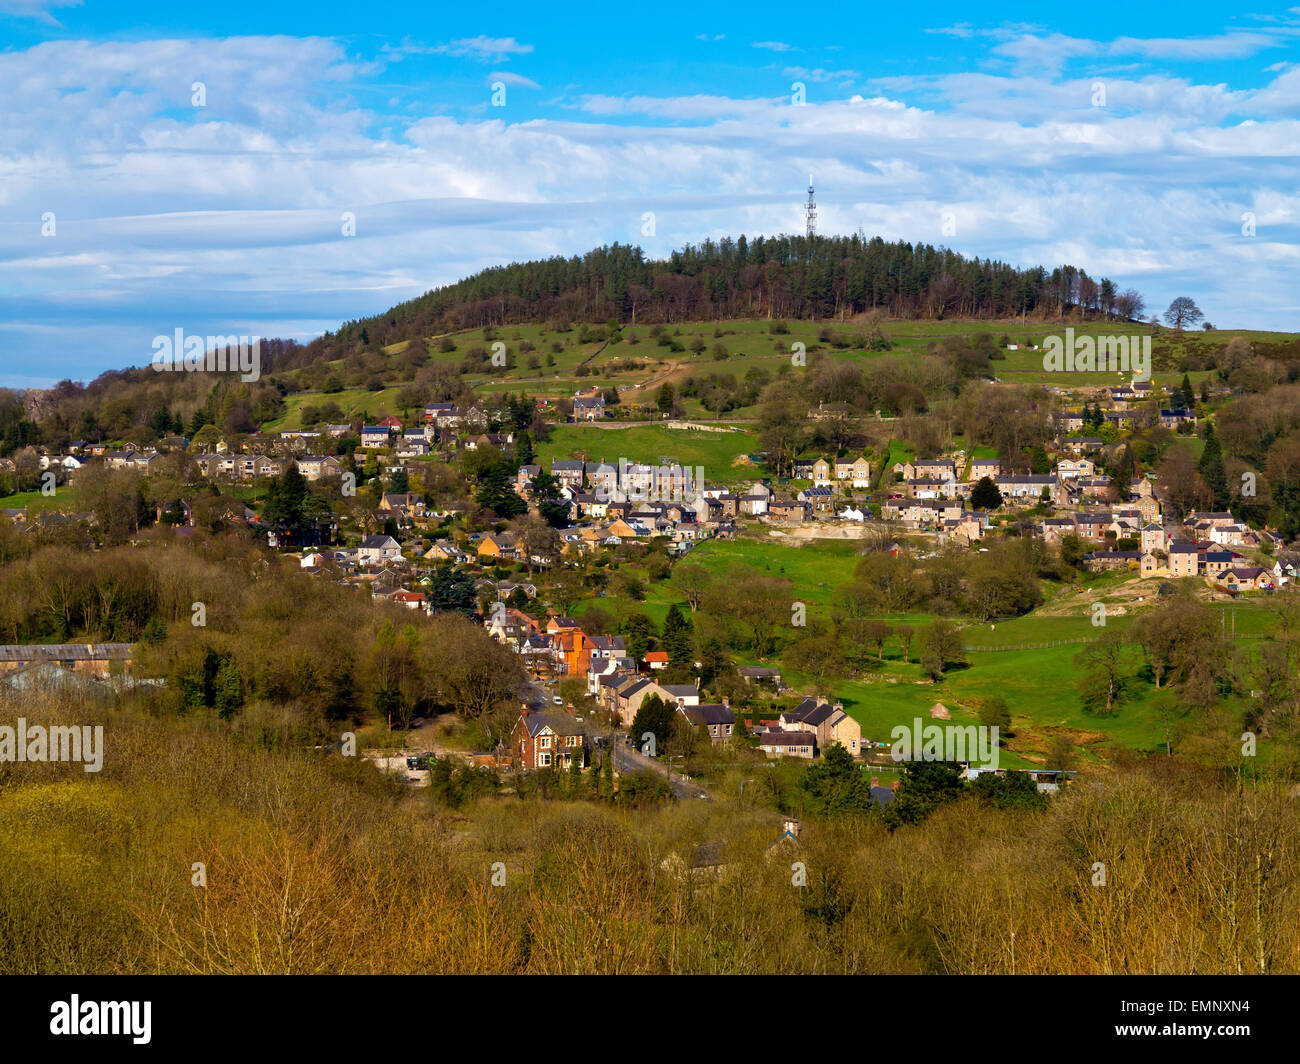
pixel 316 863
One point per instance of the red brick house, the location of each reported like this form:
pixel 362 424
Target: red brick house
pixel 546 740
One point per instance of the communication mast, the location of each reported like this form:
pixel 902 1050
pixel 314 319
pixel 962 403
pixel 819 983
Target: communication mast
pixel 810 211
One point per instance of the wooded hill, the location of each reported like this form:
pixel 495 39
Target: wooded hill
pixel 767 277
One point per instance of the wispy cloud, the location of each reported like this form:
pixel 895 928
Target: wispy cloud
pixel 820 74
pixel 36 9
pixel 484 49
pixel 1051 51
pixel 961 29
pixel 518 80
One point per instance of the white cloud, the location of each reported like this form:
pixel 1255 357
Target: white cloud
pixel 820 75
pixel 169 215
pixel 961 29
pixel 513 79
pixel 485 49
pixel 1032 49
pixel 35 9
pixel 499 48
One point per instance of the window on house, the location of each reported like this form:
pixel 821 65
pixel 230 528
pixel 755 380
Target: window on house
pixel 544 760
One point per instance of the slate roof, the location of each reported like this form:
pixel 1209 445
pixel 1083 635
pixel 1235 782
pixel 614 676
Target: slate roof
pixel 66 651
pixel 559 723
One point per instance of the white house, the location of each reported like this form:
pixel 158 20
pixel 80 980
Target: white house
pixel 375 550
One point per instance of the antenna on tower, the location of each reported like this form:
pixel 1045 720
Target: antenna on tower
pixel 810 211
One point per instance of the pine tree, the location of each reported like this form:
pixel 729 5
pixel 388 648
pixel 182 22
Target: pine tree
pixel 229 692
pixel 677 639
pixel 496 493
pixel 285 499
pixel 985 495
pixel 656 716
pixel 524 448
pixel 1125 469
pixel 1211 469
pixel 450 591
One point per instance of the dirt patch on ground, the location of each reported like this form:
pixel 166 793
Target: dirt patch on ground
pixel 1133 594
pixel 1119 598
pixel 800 534
pixel 1034 743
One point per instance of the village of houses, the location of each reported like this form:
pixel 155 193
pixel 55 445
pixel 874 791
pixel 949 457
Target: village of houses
pixel 925 501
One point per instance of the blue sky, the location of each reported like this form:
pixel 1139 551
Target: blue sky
pixel 1163 152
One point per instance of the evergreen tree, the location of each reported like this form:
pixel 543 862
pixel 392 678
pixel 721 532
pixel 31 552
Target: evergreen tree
pixel 228 693
pixel 496 493
pixel 1125 469
pixel 638 634
pixel 1211 469
pixel 926 785
pixel 545 489
pixel 450 591
pixel 835 784
pixel 657 716
pixel 713 659
pixel 678 639
pixel 985 495
pixel 524 448
pixel 575 774
pixel 740 734
pixel 286 499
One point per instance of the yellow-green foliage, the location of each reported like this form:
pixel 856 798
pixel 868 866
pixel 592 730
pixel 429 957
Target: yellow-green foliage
pixel 316 863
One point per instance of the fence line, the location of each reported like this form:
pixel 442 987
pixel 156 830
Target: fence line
pixel 1085 642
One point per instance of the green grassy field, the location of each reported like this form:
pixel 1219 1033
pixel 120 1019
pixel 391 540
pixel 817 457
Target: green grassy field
pixel 636 359
pixel 716 452
pixel 354 402
pixel 67 497
pixel 1029 661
